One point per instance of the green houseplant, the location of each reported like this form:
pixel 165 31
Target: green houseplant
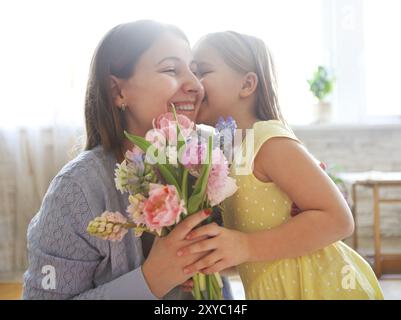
pixel 321 85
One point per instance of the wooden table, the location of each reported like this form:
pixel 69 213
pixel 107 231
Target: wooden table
pixel 374 180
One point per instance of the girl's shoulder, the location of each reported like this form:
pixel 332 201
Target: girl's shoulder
pixel 272 128
pixel 256 137
pixel 265 130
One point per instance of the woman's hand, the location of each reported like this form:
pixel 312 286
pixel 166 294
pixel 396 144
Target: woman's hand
pixel 163 269
pixel 227 248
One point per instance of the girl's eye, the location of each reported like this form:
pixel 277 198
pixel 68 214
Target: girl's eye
pixel 170 70
pixel 202 73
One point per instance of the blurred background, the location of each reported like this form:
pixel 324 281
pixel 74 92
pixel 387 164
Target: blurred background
pixel 338 68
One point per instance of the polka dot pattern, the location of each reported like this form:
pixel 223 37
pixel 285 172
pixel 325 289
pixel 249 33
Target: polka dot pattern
pixel 263 206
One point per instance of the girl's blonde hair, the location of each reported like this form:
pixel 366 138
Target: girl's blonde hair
pixel 244 54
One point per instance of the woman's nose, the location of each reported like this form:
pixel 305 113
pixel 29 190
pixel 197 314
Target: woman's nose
pixel 192 83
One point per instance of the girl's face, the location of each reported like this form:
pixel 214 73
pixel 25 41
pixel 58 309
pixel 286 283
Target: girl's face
pixel 164 74
pixel 222 85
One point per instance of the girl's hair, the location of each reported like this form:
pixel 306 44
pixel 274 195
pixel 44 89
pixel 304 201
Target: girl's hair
pixel 117 54
pixel 246 53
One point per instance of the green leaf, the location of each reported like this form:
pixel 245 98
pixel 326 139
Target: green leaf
pixel 166 170
pixel 184 186
pixel 140 142
pixel 168 177
pixel 199 192
pixel 180 136
pixel 321 83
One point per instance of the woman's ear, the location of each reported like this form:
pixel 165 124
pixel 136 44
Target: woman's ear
pixel 249 84
pixel 115 86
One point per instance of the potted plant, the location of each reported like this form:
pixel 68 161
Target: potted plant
pixel 321 85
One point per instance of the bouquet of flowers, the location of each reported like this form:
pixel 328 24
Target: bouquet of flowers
pixel 170 174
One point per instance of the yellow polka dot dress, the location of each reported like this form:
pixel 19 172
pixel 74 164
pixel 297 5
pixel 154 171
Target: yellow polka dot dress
pixel 334 272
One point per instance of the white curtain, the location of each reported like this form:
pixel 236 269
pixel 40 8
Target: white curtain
pixel 41 112
pixel 29 159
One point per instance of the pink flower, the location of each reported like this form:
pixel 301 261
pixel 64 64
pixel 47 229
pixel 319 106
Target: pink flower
pixel 168 125
pixel 114 217
pixel 194 155
pixel 163 207
pixel 219 186
pixel 135 209
pixel 157 138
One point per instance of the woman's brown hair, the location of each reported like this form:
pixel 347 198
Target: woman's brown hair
pixel 117 55
pixel 244 54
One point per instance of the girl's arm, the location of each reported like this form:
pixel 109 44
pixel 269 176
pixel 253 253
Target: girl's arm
pixel 325 216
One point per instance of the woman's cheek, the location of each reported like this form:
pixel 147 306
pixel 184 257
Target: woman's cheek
pixel 169 84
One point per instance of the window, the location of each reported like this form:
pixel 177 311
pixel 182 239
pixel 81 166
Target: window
pixel 47 48
pixel 382 26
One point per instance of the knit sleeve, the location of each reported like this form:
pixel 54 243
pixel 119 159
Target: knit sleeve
pixel 64 259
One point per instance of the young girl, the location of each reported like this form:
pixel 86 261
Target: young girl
pixel 278 256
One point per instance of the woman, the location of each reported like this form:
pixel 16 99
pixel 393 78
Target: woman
pixel 137 71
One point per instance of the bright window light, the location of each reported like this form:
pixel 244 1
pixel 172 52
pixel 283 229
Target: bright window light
pixel 383 56
pixel 49 45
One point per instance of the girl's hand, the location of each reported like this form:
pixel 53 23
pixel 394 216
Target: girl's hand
pixel 228 248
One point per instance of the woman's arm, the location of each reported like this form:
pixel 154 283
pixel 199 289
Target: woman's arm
pixel 59 247
pixel 131 285
pixel 325 216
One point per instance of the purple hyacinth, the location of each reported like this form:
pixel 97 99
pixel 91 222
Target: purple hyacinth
pixel 225 131
pixel 226 124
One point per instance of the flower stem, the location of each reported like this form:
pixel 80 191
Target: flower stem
pixel 217 286
pixel 196 290
pixel 210 288
pixel 184 186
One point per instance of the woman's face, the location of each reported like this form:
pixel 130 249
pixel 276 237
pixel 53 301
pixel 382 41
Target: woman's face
pixel 164 74
pixel 222 85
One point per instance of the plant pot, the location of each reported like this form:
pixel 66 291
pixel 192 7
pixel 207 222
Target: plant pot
pixel 322 112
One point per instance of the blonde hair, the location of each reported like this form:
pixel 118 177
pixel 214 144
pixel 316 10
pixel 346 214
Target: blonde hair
pixel 244 54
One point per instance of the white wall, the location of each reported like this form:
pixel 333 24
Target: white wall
pixel 361 148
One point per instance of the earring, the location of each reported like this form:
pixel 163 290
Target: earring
pixel 123 106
